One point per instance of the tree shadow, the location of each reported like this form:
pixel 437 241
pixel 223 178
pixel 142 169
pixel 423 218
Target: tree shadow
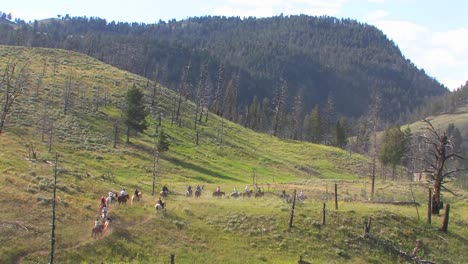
pixel 191 166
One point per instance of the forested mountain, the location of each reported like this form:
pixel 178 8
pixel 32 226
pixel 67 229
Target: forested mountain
pixel 267 74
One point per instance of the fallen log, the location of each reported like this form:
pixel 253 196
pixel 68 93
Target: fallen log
pixel 394 202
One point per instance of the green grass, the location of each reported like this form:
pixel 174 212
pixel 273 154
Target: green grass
pixel 207 230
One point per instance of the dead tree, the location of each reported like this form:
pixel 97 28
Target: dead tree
pixel 218 95
pixel 67 95
pixel 279 105
pixel 440 152
pixel 181 92
pixel 13 84
pixel 374 120
pixel 198 95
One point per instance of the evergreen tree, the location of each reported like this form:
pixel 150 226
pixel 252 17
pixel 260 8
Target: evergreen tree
pixel 163 143
pixel 136 112
pixel 395 145
pixel 329 118
pixel 254 114
pixel 340 132
pixel 316 125
pixel 230 101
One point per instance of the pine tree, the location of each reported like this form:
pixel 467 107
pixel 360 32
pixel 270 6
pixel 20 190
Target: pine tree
pixel 316 125
pixel 340 133
pixel 135 113
pixel 163 143
pixel 394 147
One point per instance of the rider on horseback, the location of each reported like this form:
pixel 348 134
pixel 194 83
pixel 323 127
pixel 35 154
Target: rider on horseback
pixel 165 189
pixel 137 194
pixel 96 223
pixel 236 191
pixel 198 188
pixel 103 201
pixel 123 192
pixel 104 211
pixel 246 189
pixel 163 204
pixel 218 189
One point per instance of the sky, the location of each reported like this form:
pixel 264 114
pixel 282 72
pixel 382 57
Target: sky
pixel 433 34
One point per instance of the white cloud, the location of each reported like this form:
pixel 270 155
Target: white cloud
pixel 376 1
pixel 443 55
pixel 376 14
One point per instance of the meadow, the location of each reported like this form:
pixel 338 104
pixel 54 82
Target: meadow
pixel 205 230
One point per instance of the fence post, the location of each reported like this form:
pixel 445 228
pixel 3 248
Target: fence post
pixel 336 196
pixel 323 214
pixel 172 258
pixel 292 210
pixel 446 218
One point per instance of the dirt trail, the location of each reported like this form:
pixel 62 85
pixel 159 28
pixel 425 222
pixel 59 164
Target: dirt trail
pixel 86 240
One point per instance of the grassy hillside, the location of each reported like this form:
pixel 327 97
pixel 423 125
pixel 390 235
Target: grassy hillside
pixel 206 230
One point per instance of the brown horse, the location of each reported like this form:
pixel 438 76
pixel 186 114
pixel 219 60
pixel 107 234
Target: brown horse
pixel 218 194
pixel 122 199
pixel 198 194
pixel 248 194
pixel 235 195
pixel 259 194
pixel 97 231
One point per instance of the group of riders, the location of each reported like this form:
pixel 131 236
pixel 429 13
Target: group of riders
pixel 106 219
pixel 112 196
pixel 189 191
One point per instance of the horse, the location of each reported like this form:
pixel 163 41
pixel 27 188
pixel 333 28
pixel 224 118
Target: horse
pixel 259 194
pixel 235 195
pixel 135 198
pixel 248 194
pixel 163 194
pixel 97 230
pixel 122 199
pixel 198 193
pixel 111 199
pixel 218 194
pixel 159 206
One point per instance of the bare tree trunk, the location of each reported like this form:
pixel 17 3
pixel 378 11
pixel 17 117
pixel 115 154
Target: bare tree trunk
pixel 429 206
pixel 116 135
pixel 155 169
pixel 436 199
pixel 128 134
pixel 373 179
pixel 52 232
pixel 51 133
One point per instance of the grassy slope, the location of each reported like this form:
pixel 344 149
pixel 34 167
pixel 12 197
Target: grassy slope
pixel 197 231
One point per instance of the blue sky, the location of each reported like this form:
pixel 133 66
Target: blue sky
pixel 431 33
